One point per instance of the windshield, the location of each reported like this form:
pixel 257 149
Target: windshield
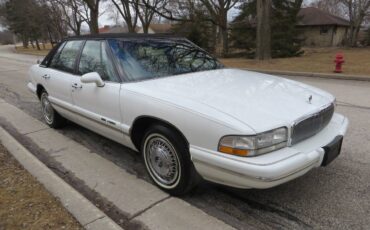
pixel 155 58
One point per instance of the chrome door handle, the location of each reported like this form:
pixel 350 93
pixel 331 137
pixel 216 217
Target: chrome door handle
pixel 76 86
pixel 46 76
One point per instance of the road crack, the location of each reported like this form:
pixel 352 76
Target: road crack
pixel 99 218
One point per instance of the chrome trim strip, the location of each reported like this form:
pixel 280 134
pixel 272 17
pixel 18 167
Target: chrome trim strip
pixel 102 122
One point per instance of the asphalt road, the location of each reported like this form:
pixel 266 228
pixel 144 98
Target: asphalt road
pixel 336 197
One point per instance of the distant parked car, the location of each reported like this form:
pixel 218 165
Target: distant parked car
pixel 188 115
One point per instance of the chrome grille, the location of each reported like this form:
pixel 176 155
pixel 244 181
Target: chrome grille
pixel 312 125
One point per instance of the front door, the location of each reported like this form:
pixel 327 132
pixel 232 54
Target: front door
pixel 99 107
pixel 57 78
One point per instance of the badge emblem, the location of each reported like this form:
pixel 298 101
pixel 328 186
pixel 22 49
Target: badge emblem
pixel 310 99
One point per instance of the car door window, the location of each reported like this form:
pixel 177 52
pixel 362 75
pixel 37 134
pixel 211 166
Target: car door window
pixel 66 59
pixel 94 58
pixel 52 55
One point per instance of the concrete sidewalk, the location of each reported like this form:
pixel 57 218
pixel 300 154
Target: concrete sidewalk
pixel 137 202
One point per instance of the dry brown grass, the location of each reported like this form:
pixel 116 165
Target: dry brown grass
pixel 34 51
pixel 25 203
pixel 320 60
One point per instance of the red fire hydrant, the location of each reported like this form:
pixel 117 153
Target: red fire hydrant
pixel 339 60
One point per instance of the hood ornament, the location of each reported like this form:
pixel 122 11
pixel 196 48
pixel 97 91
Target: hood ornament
pixel 310 99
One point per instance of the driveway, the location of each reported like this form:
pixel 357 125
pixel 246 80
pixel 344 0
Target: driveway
pixel 337 196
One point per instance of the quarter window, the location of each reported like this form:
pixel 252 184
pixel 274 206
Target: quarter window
pixel 94 58
pixel 66 59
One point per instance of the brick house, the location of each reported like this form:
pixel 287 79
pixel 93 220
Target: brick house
pixel 321 29
pixel 157 28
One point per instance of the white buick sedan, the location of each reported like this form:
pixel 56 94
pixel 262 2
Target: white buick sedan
pixel 188 115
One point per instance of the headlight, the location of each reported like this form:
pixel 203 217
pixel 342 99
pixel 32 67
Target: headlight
pixel 254 145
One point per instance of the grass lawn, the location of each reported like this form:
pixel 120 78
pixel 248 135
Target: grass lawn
pixel 34 51
pixel 25 203
pixel 319 60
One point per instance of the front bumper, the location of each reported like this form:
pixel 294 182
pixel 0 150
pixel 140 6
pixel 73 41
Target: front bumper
pixel 271 169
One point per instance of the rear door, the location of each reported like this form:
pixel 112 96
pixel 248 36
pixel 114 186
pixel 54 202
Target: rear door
pixel 99 106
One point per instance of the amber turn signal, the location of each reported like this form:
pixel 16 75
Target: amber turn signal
pixel 232 151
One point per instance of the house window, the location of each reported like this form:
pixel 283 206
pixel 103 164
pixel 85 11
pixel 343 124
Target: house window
pixel 324 30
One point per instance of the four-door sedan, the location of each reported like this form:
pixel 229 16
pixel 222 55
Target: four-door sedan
pixel 188 115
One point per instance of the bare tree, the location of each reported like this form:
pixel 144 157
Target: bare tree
pixel 114 14
pixel 263 43
pixel 127 10
pixel 214 11
pixel 334 7
pixel 54 28
pixel 218 11
pixel 146 9
pixel 93 23
pixel 73 13
pixel 357 11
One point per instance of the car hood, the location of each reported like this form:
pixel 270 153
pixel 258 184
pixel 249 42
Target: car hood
pixel 260 101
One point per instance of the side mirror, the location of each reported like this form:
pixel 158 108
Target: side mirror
pixel 92 77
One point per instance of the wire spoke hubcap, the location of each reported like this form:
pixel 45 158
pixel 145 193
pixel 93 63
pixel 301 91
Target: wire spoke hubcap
pixel 47 110
pixel 162 160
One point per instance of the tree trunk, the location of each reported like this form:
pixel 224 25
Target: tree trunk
pixel 131 28
pixel 25 42
pixel 94 25
pixel 263 45
pixel 37 44
pixel 33 46
pixel 225 41
pixel 223 25
pixel 50 37
pixel 78 29
pixel 146 28
pixel 355 30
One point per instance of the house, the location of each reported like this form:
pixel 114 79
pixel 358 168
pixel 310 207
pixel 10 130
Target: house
pixel 322 29
pixel 115 29
pixel 157 29
pixel 6 37
pixel 363 35
pixel 104 29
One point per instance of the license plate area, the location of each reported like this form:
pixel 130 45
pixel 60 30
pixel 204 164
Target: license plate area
pixel 332 150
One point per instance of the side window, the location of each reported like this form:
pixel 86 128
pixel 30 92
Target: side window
pixel 52 54
pixel 66 59
pixel 94 58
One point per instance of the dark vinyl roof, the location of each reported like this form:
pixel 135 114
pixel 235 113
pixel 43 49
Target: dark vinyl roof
pixel 126 35
pixel 312 16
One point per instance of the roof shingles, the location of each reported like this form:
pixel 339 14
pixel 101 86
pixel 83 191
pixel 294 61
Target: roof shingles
pixel 312 16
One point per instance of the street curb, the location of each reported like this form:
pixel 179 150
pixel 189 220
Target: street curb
pixel 89 216
pixel 315 75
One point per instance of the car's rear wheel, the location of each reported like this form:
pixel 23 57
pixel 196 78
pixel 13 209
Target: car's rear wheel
pixel 51 117
pixel 167 160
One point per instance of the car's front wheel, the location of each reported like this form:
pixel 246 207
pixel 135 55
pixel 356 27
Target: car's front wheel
pixel 167 160
pixel 51 117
